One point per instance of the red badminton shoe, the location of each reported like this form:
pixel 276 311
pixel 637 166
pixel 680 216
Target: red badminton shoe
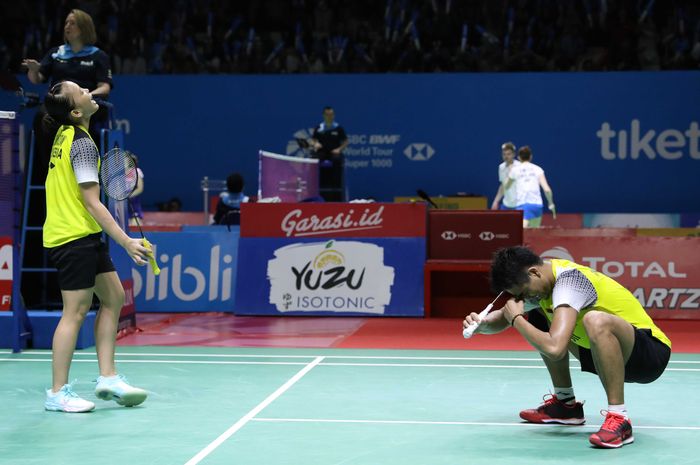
pixel 615 432
pixel 555 411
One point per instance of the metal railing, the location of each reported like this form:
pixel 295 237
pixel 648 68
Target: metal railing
pixel 210 185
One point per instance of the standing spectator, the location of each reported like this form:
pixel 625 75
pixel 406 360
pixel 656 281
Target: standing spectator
pixel 329 141
pixel 77 60
pixel 508 196
pixel 528 178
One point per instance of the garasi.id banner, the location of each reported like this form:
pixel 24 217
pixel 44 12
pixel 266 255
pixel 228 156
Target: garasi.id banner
pixel 608 142
pixel 333 220
pixel 197 272
pixel 663 273
pixel 331 259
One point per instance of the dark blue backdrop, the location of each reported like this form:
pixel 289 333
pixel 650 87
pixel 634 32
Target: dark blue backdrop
pixel 438 132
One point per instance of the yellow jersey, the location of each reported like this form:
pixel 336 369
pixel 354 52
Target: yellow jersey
pixel 67 219
pixel 585 289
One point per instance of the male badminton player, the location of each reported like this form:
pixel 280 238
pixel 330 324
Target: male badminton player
pixel 585 313
pixel 75 219
pixel 508 195
pixel 527 179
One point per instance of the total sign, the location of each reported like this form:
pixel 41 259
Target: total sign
pixel 662 272
pixel 5 273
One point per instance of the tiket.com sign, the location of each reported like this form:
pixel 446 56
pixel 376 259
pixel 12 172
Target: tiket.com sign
pixel 333 276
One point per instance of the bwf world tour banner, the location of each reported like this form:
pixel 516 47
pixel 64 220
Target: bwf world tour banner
pixel 611 129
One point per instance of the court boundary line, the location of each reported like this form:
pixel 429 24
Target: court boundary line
pixel 311 356
pixel 389 365
pixel 458 423
pixel 251 414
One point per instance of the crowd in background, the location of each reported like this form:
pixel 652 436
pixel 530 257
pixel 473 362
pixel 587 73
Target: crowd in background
pixel 335 36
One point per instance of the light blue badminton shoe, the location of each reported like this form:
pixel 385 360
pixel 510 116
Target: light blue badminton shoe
pixel 117 388
pixel 65 400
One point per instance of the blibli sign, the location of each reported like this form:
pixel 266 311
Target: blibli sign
pixel 198 270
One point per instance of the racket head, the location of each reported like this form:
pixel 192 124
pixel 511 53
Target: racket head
pixel 119 173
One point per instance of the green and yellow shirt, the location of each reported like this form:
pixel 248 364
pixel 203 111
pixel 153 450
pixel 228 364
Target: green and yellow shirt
pixel 585 289
pixel 74 160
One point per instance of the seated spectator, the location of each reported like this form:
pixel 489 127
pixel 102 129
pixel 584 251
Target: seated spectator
pixel 172 205
pixel 229 206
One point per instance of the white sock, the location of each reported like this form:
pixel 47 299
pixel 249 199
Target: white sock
pixel 565 394
pixel 620 409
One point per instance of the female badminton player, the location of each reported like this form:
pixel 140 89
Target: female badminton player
pixel 75 219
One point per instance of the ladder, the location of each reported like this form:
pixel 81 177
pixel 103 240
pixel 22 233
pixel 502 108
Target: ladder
pixel 11 197
pixel 31 239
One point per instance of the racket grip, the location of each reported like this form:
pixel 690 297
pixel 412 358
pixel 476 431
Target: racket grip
pixel 469 330
pixel 151 258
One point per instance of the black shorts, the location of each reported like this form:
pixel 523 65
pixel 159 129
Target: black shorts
pixel 79 261
pixel 647 361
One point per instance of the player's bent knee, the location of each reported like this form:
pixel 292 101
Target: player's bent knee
pixel 595 322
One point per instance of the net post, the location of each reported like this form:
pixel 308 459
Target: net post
pixel 260 157
pixel 205 191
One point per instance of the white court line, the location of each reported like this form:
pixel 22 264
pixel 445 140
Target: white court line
pixel 455 423
pixel 249 416
pixel 430 365
pixel 231 362
pixel 180 362
pixel 311 356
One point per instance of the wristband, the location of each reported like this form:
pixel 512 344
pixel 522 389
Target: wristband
pixel 512 322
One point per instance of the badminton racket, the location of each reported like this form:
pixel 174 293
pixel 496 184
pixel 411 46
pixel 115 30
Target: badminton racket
pixel 469 330
pixel 120 176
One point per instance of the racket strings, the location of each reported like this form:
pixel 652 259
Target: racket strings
pixel 119 174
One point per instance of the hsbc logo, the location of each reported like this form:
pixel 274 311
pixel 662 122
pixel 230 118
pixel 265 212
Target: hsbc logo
pixel 489 236
pixel 451 235
pixel 419 151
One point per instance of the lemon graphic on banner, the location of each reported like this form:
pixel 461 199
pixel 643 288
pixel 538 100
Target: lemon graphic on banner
pixel 328 257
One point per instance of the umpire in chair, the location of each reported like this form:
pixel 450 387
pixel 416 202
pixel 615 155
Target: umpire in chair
pixel 328 142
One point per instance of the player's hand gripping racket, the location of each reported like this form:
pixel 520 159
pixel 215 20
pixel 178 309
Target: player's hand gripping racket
pixel 469 330
pixel 120 176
